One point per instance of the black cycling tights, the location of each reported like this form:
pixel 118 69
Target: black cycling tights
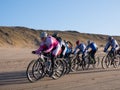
pixel 92 53
pixel 52 61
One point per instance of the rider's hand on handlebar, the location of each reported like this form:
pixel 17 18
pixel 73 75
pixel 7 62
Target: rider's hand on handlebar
pixel 104 51
pixel 33 52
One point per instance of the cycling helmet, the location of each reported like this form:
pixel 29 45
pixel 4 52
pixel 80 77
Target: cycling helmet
pixel 110 38
pixel 77 42
pixel 43 35
pixel 55 34
pixel 88 42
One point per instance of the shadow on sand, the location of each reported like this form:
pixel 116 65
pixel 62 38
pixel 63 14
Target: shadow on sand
pixel 9 78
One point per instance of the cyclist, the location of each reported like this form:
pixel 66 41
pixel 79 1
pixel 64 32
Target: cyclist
pixel 93 47
pixel 114 45
pixel 56 35
pixel 81 49
pixel 49 45
pixel 62 44
pixel 68 50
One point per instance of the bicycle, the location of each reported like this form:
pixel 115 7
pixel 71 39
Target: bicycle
pixel 67 63
pixel 90 61
pixel 38 69
pixel 77 63
pixel 110 60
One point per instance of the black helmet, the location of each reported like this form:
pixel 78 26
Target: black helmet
pixel 110 38
pixel 55 34
pixel 89 41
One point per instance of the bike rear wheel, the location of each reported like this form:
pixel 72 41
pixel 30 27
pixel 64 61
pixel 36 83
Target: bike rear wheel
pixel 90 63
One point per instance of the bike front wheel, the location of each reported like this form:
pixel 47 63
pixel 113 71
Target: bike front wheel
pixel 116 61
pixel 34 71
pixel 106 61
pixel 58 69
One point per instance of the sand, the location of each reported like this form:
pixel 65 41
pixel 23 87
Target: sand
pixel 14 61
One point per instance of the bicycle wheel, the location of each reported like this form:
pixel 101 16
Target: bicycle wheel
pixel 116 61
pixel 83 63
pixel 38 70
pixel 74 64
pixel 94 63
pixel 97 63
pixel 68 65
pixel 58 69
pixel 29 72
pixel 106 61
pixel 87 63
pixel 65 66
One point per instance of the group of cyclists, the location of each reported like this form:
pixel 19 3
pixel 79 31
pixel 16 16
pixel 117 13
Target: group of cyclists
pixel 57 47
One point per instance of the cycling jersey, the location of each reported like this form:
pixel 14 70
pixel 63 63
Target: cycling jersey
pixel 59 39
pixel 50 44
pixel 63 46
pixel 93 46
pixel 114 44
pixel 81 48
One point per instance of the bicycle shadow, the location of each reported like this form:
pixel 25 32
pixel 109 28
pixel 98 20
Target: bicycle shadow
pixel 9 78
pixel 18 77
pixel 95 71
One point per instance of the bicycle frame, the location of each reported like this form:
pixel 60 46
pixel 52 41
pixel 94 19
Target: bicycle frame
pixel 46 61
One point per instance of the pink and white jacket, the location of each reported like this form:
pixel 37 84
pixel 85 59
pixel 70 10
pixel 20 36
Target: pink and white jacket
pixel 48 45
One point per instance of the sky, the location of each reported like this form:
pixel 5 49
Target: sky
pixel 86 16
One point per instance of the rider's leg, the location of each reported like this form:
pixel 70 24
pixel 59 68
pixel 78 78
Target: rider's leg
pixel 55 53
pixel 113 51
pixel 90 53
pixel 113 55
pixel 93 55
pixel 64 52
pixel 83 58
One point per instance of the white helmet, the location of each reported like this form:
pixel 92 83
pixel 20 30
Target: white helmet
pixel 43 34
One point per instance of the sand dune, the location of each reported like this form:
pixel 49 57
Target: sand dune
pixel 22 37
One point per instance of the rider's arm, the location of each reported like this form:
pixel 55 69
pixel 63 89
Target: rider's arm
pixel 51 46
pixel 42 46
pixel 88 46
pixel 75 49
pixel 107 46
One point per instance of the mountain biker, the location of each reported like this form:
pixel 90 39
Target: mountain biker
pixel 64 48
pixel 49 45
pixel 56 35
pixel 114 45
pixel 62 44
pixel 68 50
pixel 81 49
pixel 93 47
